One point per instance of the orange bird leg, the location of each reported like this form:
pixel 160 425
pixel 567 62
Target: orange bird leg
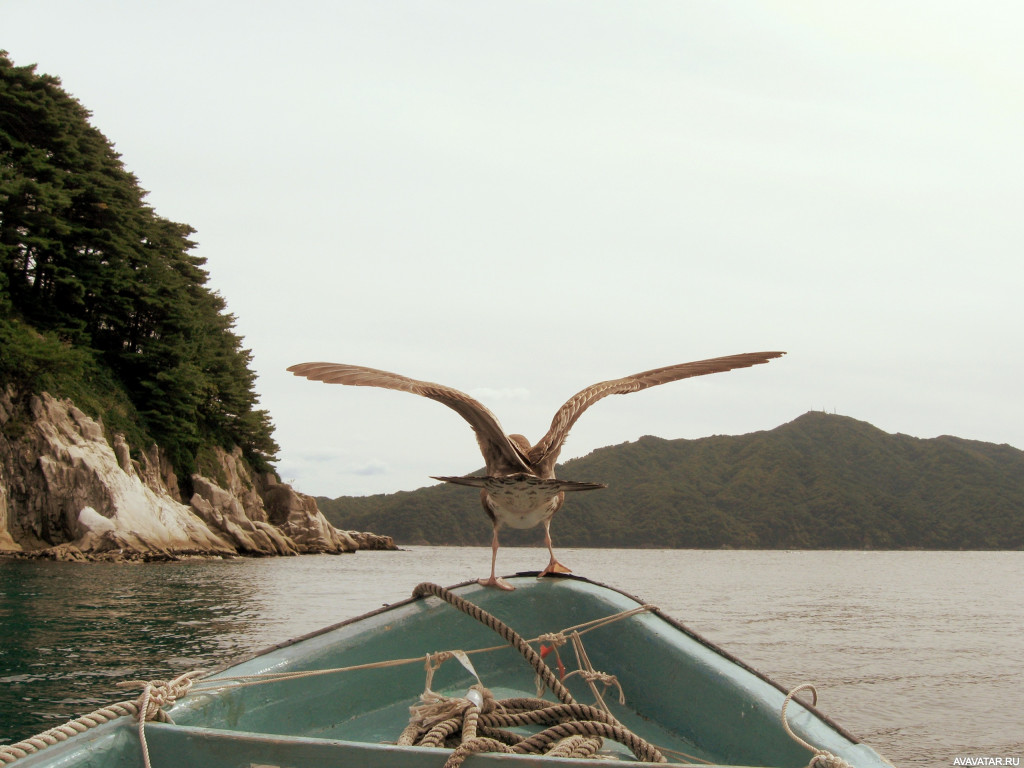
pixel 493 580
pixel 553 565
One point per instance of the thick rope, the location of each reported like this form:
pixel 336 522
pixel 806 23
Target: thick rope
pixel 575 746
pixel 31 745
pixel 510 635
pixel 155 695
pixel 476 723
pixel 821 758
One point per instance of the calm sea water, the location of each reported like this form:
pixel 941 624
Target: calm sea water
pixel 921 654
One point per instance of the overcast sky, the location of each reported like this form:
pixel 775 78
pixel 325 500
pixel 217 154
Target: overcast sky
pixel 519 199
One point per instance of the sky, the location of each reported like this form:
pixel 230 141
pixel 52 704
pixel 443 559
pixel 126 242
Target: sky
pixel 519 199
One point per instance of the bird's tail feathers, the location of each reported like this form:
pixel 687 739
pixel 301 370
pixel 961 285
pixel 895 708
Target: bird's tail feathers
pixel 572 485
pixel 553 484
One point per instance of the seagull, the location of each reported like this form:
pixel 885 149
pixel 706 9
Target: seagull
pixel 520 489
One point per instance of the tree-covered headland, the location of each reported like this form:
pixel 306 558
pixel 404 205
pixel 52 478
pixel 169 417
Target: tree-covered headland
pixel 101 299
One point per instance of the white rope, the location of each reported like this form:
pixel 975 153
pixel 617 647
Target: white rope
pixel 157 694
pixel 591 676
pixel 588 626
pixel 821 758
pixel 556 638
pixel 31 745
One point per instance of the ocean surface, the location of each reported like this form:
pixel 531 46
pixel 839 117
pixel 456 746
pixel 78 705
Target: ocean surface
pixel 920 654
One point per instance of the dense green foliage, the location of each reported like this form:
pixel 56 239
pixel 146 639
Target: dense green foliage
pixel 101 299
pixel 821 481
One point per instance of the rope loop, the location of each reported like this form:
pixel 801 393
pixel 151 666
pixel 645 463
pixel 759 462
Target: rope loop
pixel 591 676
pixel 821 758
pixel 157 694
pixel 606 679
pixel 432 663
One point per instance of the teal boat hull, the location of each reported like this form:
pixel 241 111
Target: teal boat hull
pixel 682 694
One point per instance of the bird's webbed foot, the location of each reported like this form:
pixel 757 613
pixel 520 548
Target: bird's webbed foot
pixel 554 567
pixel 495 581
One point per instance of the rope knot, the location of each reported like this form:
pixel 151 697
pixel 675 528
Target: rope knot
pixel 436 708
pixel 606 679
pixel 157 694
pixel 556 639
pixel 433 663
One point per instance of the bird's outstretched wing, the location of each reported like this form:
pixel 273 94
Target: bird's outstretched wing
pixel 500 453
pixel 545 452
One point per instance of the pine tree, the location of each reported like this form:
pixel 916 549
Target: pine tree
pixel 86 266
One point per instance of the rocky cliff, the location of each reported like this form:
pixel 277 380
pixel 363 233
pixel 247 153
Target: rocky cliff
pixel 66 491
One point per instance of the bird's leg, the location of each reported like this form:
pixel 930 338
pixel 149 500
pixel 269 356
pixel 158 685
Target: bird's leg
pixel 493 580
pixel 553 565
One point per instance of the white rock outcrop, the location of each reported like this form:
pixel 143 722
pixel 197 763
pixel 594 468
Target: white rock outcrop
pixel 65 488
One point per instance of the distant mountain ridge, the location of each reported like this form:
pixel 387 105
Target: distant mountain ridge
pixel 822 481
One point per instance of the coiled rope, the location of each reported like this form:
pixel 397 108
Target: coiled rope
pixel 477 722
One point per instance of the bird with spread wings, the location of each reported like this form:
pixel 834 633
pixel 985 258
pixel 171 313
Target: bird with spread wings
pixel 520 489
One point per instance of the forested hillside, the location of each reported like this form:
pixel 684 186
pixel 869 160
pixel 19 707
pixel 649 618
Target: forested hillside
pixel 821 481
pixel 101 299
